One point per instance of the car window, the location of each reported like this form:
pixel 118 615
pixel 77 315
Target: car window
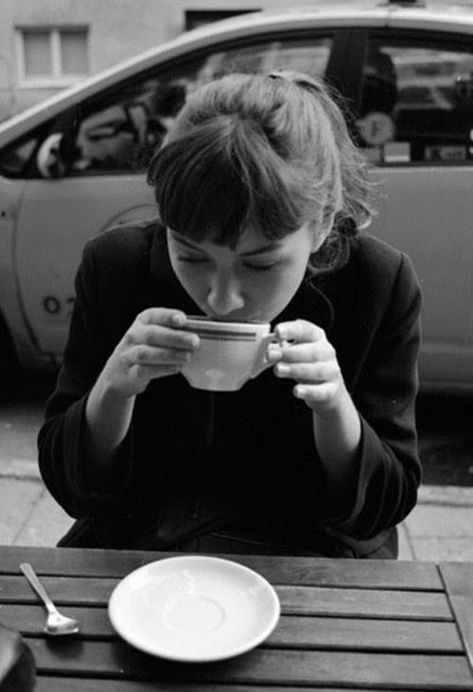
pixel 417 101
pixel 13 159
pixel 119 131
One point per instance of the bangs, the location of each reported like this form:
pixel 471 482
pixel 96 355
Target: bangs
pixel 221 177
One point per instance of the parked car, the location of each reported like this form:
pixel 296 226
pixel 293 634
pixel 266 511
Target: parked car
pixel 75 165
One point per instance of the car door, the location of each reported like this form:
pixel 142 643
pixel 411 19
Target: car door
pixel 415 123
pixel 89 168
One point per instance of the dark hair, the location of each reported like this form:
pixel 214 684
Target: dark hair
pixel 271 151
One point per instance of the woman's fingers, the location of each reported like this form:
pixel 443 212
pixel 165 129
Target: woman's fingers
pixel 317 351
pixel 161 337
pixel 308 372
pixel 149 372
pixel 315 394
pixel 166 317
pixel 298 331
pixel 151 328
pixel 305 355
pixel 153 346
pixel 142 354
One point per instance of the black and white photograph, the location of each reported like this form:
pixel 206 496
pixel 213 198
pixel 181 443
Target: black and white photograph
pixel 236 345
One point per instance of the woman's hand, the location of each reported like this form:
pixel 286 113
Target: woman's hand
pixel 152 347
pixel 311 361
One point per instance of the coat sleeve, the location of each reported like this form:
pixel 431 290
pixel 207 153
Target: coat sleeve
pixel 61 440
pixel 389 470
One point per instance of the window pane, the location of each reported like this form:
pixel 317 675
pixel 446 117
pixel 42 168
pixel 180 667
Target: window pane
pixel 74 52
pixel 305 55
pixel 417 101
pixel 14 158
pixel 37 52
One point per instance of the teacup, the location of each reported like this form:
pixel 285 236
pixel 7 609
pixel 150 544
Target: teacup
pixel 229 354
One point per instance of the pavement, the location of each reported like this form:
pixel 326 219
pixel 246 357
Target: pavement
pixel 440 527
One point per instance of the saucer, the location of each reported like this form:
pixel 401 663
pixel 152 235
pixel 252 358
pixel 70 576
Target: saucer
pixel 194 608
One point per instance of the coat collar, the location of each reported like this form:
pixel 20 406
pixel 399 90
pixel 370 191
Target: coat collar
pixel 309 303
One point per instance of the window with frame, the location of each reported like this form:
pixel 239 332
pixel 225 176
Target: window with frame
pixel 120 130
pixel 53 55
pixel 417 100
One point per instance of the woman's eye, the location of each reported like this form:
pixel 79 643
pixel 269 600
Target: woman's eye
pixel 192 260
pixel 261 267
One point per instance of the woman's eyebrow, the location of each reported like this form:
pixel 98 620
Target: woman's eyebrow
pixel 183 241
pixel 269 247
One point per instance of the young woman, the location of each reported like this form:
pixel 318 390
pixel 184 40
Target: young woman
pixel 261 195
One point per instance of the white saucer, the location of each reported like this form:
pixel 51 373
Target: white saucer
pixel 194 608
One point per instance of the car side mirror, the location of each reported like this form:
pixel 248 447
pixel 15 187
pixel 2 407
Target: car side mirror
pixel 49 159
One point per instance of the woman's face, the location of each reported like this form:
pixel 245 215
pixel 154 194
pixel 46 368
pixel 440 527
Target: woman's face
pixel 253 282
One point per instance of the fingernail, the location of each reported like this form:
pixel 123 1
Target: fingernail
pixel 280 333
pixel 274 352
pixel 178 319
pixel 282 368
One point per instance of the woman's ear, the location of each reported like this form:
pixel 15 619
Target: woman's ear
pixel 318 240
pixel 321 231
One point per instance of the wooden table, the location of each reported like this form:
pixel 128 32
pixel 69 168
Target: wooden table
pixel 345 624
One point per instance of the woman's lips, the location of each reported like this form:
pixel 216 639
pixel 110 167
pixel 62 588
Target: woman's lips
pixel 241 318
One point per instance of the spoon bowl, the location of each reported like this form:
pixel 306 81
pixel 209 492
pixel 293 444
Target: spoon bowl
pixel 57 624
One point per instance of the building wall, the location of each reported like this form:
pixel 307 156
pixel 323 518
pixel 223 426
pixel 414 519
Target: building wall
pixel 117 29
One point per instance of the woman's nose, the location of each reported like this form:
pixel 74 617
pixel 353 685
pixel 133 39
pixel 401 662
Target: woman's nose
pixel 225 295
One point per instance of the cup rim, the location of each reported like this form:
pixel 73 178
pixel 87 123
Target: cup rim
pixel 225 325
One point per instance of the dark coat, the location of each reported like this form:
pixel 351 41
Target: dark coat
pixel 246 461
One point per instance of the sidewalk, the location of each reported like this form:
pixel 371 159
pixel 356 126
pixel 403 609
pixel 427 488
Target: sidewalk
pixel 439 528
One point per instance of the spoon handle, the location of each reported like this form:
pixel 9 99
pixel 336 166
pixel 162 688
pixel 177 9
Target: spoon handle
pixel 30 574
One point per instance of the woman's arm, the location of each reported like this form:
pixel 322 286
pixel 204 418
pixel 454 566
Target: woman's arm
pixel 366 437
pixel 153 347
pixel 84 444
pixel 311 360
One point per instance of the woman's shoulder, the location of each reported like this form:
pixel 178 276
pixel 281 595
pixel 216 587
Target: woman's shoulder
pixel 115 273
pixel 375 273
pixel 383 274
pixel 123 244
pixel 368 249
pixel 376 258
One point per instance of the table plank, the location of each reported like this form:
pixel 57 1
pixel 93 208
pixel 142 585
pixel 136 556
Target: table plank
pixel 411 605
pixel 49 684
pixel 365 635
pixel 458 579
pixel 291 631
pixel 389 574
pixel 260 666
pixel 295 600
pixel 462 607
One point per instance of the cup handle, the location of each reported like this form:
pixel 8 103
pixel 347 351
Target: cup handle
pixel 261 362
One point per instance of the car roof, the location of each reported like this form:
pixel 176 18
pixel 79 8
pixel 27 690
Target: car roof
pixel 434 16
